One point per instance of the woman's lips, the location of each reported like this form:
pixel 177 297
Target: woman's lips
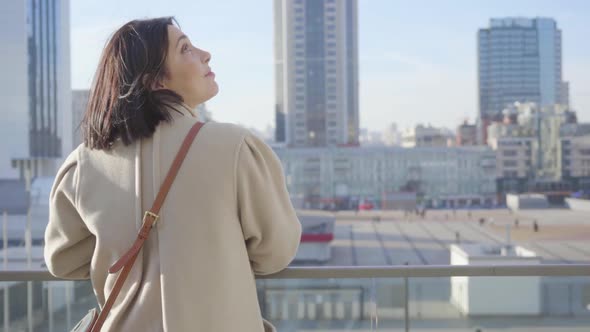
pixel 210 74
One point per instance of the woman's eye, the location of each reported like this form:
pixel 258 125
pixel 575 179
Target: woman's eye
pixel 185 48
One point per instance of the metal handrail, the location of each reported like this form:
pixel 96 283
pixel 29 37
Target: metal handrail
pixel 359 272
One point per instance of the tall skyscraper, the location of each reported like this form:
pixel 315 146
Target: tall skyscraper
pixel 316 72
pixel 519 59
pixel 34 86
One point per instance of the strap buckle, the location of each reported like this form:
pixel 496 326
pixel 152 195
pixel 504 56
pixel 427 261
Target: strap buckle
pixel 153 215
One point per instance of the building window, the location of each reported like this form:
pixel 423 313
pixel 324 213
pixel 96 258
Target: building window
pixel 510 174
pixel 509 153
pixel 510 163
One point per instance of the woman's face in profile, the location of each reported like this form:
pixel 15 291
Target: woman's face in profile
pixel 187 70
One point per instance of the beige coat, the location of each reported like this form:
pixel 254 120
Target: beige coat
pixel 227 217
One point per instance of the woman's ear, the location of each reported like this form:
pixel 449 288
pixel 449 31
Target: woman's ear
pixel 157 84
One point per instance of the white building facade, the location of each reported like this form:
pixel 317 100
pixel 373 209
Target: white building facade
pixel 441 177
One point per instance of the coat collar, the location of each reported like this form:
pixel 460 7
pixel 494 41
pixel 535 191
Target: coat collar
pixel 182 109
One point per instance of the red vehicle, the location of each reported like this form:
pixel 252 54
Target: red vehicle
pixel 366 205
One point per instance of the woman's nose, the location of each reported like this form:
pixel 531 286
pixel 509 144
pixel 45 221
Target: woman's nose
pixel 206 56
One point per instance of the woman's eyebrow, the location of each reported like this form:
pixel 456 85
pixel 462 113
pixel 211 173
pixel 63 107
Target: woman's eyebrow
pixel 180 38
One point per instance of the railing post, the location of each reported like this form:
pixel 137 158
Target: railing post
pixel 374 318
pixel 406 302
pixel 570 298
pixel 28 246
pixel 30 305
pixel 50 304
pixel 6 288
pixel 69 289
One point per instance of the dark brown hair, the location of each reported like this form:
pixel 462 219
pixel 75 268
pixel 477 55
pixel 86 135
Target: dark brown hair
pixel 122 104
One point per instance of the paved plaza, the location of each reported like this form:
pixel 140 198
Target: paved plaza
pixel 397 239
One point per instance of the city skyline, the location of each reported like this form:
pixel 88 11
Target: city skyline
pixel 414 59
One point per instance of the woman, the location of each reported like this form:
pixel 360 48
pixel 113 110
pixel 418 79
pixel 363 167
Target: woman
pixel 226 218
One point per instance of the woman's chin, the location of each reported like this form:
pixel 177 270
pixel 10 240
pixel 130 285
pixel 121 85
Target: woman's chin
pixel 215 90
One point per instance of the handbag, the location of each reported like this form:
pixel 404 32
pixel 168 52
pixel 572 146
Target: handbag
pixel 94 320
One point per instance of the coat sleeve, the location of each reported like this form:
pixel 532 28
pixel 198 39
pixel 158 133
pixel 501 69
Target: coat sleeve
pixel 69 245
pixel 270 225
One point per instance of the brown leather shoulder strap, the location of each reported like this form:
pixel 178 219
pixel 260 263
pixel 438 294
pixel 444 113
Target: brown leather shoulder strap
pixel 149 220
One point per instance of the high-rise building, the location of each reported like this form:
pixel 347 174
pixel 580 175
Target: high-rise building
pixel 34 86
pixel 316 72
pixel 519 61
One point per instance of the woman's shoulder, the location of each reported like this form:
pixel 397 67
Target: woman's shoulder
pixel 226 129
pixel 243 137
pixel 226 133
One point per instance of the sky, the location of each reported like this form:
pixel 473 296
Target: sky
pixel 417 59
